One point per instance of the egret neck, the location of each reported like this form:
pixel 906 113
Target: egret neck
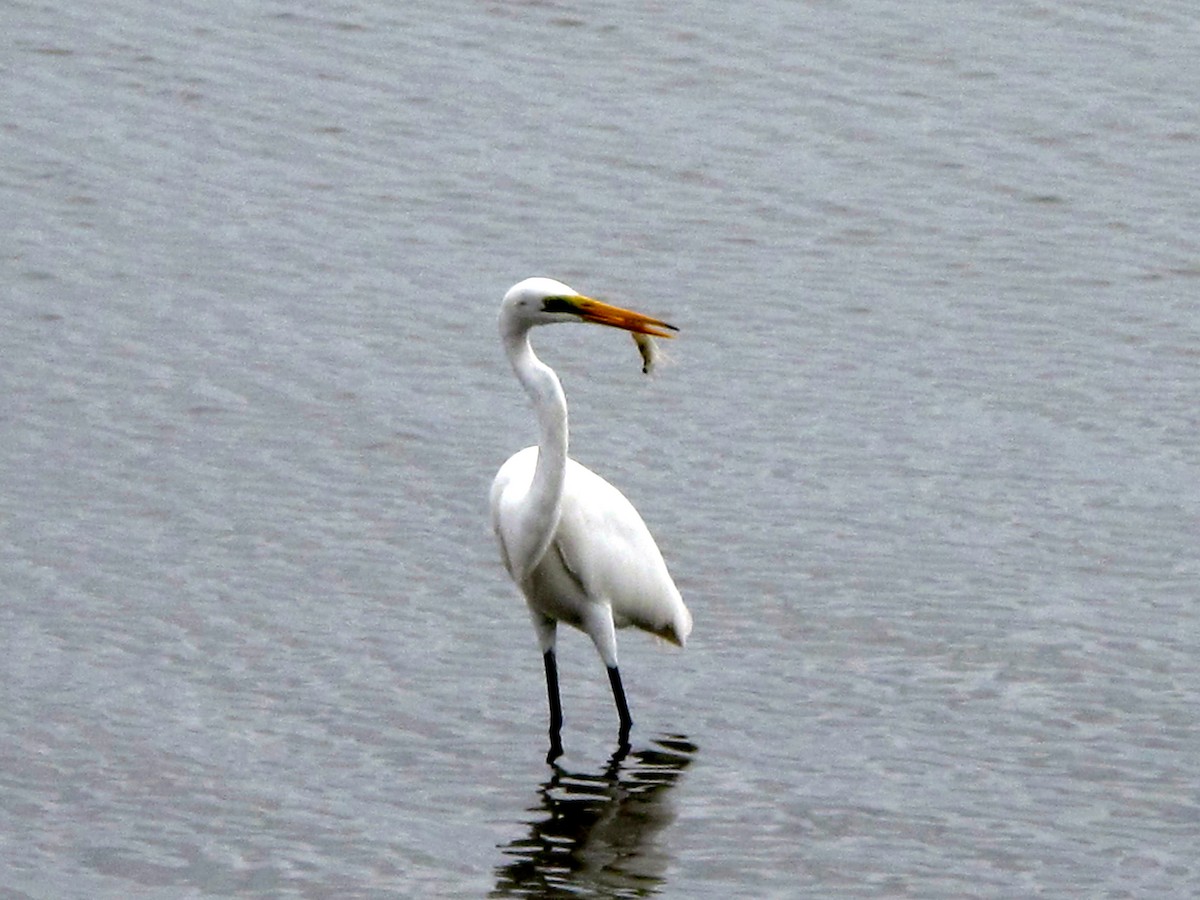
pixel 544 501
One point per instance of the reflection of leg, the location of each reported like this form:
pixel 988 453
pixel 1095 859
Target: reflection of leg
pixel 614 677
pixel 555 707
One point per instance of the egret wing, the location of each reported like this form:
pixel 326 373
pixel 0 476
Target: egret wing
pixel 608 549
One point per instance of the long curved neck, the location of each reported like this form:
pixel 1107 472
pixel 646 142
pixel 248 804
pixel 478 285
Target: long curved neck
pixel 544 501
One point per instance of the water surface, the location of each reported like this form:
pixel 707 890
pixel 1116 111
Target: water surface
pixel 923 461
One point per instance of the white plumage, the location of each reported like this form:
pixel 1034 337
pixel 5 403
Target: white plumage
pixel 601 554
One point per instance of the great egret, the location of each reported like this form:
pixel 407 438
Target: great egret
pixel 576 548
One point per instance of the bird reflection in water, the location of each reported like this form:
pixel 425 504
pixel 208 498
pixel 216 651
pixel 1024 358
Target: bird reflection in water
pixel 599 834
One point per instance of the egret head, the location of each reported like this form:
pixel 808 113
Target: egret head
pixel 544 301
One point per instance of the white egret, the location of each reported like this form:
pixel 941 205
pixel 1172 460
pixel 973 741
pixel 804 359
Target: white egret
pixel 573 544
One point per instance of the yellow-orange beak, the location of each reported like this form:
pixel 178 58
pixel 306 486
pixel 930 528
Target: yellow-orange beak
pixel 605 314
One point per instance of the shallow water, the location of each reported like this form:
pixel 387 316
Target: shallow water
pixel 923 460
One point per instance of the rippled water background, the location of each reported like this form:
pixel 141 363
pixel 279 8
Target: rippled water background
pixel 925 460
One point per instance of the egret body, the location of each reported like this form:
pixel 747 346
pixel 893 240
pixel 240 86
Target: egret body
pixel 572 543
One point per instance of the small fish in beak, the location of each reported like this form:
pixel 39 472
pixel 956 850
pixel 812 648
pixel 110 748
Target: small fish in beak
pixel 649 350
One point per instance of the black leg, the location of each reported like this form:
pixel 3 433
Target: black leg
pixel 614 677
pixel 556 749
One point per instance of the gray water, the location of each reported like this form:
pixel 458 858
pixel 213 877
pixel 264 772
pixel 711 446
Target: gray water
pixel 924 459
